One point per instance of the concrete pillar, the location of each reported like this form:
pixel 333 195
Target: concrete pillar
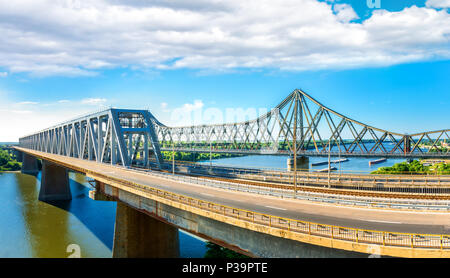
pixel 29 164
pixel 18 155
pixel 138 235
pixel 54 183
pixel 98 195
pixel 302 163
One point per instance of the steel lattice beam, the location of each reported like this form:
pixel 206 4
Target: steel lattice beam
pixel 113 136
pixel 118 136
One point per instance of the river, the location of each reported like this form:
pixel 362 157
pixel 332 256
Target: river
pixel 30 228
pixel 353 165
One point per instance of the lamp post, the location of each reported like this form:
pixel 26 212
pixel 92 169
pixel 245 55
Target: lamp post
pixel 340 169
pixel 295 148
pixel 329 161
pixel 173 158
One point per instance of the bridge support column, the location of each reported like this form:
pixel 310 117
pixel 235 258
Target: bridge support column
pixel 98 193
pixel 29 164
pixel 54 183
pixel 138 235
pixel 302 163
pixel 18 155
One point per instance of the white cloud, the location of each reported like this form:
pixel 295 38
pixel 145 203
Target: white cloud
pixel 16 111
pixel 438 3
pixel 187 114
pixel 93 101
pixel 16 122
pixel 189 107
pixel 345 12
pixel 3 74
pixel 81 38
pixel 27 103
pixel 164 107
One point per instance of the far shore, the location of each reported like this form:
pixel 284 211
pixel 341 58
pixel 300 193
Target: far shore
pixel 18 171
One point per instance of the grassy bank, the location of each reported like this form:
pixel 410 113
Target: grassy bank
pixel 415 167
pixel 218 252
pixel 8 162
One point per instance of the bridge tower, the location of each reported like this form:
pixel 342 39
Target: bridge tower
pixel 407 144
pixel 295 161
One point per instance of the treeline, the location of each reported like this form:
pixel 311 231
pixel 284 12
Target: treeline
pixel 439 149
pixel 415 167
pixel 8 162
pixel 195 157
pixel 218 252
pixel 284 146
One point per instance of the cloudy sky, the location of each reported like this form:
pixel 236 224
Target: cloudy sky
pixel 380 64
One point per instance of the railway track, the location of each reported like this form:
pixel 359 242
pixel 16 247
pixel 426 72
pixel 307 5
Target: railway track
pixel 321 189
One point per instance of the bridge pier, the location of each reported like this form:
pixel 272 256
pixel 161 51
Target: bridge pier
pixel 137 235
pixel 29 164
pixel 302 163
pixel 54 183
pixel 18 155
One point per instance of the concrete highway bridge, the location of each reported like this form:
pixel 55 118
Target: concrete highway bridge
pixel 258 213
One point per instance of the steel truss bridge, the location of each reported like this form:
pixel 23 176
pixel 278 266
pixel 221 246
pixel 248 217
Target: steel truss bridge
pixel 299 123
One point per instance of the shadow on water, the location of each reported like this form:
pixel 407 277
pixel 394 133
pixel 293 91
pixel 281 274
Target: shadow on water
pixel 52 226
pixel 97 216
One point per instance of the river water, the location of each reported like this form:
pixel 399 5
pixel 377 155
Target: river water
pixel 33 229
pixel 353 165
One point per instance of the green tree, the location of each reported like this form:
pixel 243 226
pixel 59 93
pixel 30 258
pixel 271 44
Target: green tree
pixel 216 251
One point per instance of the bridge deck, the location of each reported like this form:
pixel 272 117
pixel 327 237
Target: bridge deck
pixel 372 219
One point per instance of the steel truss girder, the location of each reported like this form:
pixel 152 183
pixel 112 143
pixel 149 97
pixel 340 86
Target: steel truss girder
pixel 101 137
pixel 273 132
pixel 111 136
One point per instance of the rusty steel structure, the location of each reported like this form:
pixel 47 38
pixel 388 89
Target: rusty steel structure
pixel 317 129
pixel 299 125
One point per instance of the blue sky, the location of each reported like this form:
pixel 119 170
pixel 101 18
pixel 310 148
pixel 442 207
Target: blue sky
pixel 387 67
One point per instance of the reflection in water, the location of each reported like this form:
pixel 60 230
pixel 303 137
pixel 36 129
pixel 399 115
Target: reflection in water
pixel 31 228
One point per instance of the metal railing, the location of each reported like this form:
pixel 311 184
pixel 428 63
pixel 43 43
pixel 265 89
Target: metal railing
pixel 303 194
pixel 335 179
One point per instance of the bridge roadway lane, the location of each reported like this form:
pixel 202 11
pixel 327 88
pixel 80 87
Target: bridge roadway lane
pixel 323 213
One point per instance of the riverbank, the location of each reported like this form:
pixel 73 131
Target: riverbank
pixel 8 162
pixel 416 167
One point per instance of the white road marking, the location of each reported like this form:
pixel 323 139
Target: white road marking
pixel 275 208
pixel 390 222
pixel 206 194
